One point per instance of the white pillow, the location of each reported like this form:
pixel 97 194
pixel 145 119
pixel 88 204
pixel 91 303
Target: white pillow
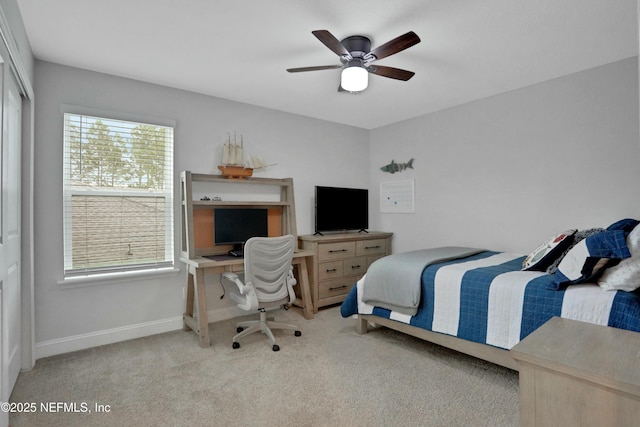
pixel 626 275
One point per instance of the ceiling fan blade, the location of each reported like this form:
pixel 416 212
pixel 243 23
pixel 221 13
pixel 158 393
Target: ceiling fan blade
pixel 331 42
pixel 391 72
pixel 318 68
pixel 396 45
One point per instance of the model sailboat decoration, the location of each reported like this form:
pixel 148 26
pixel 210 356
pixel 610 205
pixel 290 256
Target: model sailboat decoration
pixel 233 160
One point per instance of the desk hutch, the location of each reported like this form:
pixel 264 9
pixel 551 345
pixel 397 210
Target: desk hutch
pixel 275 195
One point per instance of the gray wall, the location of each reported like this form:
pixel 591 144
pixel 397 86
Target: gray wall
pixel 311 151
pixel 508 171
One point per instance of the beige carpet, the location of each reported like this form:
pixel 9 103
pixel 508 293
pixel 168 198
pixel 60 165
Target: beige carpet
pixel 330 376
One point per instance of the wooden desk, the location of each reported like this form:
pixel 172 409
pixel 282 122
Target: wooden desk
pixel 199 266
pixel 578 374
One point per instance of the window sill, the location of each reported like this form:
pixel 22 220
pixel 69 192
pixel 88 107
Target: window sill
pixel 115 278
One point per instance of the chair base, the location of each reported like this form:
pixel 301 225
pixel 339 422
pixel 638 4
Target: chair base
pixel 265 326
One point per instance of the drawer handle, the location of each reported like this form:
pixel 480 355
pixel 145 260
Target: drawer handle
pixel 355 266
pixel 338 288
pixel 333 270
pixel 338 250
pixel 373 247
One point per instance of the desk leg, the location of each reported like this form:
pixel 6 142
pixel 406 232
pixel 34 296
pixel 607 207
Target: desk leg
pixel 201 303
pixel 188 313
pixel 307 303
pixel 196 294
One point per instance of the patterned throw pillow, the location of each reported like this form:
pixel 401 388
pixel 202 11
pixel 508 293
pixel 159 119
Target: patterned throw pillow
pixel 577 237
pixel 589 257
pixel 547 252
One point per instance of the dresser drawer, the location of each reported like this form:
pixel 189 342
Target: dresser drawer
pixel 370 247
pixel 336 287
pixel 355 266
pixel 330 270
pixel 333 251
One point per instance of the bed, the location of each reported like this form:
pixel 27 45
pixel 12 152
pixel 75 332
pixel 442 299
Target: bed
pixel 483 302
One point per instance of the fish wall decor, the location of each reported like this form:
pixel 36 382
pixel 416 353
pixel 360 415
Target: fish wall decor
pixel 394 167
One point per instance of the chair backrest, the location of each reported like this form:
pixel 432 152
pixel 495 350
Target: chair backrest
pixel 267 265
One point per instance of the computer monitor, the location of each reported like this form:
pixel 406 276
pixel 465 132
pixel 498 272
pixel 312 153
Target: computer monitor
pixel 234 226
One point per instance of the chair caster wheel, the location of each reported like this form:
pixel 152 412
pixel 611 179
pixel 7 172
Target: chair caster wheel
pixel 236 345
pixel 276 347
pixel 297 333
pixel 239 329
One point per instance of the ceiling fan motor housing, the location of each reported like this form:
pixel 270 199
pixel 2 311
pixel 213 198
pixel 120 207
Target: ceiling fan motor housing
pixel 358 46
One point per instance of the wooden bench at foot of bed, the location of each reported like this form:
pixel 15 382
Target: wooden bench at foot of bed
pixel 486 352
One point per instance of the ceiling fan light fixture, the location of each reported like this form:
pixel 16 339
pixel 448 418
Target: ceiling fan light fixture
pixel 354 78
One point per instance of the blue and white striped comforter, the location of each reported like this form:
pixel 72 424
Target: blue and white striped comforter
pixel 486 298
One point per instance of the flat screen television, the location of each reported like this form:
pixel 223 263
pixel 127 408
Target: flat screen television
pixel 341 209
pixel 234 226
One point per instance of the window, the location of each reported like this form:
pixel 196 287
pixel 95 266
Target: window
pixel 118 195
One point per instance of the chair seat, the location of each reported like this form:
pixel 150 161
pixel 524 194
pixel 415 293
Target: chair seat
pixel 240 299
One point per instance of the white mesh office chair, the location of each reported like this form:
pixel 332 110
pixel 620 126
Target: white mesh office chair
pixel 267 285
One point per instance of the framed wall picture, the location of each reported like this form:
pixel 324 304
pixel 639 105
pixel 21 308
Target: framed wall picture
pixel 397 197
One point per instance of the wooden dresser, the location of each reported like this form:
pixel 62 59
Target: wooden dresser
pixel 341 259
pixel 579 374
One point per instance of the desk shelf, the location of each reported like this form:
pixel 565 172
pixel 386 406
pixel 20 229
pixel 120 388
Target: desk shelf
pixel 217 203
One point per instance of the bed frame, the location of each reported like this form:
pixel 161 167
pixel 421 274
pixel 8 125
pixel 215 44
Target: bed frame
pixel 486 352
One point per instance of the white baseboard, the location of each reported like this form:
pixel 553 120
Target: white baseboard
pixel 110 336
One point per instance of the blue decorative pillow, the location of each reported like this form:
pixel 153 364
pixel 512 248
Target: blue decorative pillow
pixel 627 225
pixel 590 257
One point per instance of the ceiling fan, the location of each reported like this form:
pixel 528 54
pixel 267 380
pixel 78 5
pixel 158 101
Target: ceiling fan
pixel 356 56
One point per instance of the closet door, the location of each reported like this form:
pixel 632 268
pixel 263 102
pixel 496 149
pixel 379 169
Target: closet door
pixel 10 239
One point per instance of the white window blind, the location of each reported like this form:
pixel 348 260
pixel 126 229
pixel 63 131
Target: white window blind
pixel 118 195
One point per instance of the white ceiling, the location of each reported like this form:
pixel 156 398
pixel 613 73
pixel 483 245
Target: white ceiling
pixel 239 50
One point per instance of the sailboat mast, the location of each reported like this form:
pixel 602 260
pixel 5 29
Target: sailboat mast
pixel 226 150
pixel 239 152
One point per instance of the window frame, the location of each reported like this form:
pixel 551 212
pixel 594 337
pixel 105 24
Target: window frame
pixel 117 272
